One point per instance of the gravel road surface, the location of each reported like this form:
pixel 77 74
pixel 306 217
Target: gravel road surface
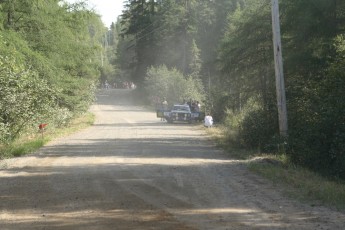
pixel 132 171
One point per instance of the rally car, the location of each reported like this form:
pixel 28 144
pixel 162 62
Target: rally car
pixel 179 113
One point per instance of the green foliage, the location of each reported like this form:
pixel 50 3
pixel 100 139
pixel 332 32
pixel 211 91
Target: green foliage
pixel 257 130
pixel 22 149
pixel 313 50
pixel 76 94
pixel 165 33
pixel 301 183
pixel 251 127
pixel 29 144
pixel 50 61
pixel 315 84
pixel 171 84
pixel 34 94
pixel 246 101
pixel 318 143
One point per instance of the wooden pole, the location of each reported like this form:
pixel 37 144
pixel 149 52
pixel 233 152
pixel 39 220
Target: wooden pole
pixel 278 60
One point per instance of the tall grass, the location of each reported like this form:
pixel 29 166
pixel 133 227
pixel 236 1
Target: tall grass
pixel 297 182
pixel 303 184
pixel 30 143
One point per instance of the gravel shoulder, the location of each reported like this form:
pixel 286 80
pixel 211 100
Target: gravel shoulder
pixel 132 171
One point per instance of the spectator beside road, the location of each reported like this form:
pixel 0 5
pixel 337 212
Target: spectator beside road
pixel 208 121
pixel 164 106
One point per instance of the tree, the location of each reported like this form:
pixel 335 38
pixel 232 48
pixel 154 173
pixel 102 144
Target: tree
pixel 164 33
pixel 167 83
pixel 34 94
pixel 313 58
pixel 138 21
pixel 50 62
pixel 245 56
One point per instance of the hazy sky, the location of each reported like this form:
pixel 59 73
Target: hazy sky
pixel 108 9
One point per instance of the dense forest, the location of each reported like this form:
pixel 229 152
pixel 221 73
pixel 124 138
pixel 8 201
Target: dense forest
pixel 220 52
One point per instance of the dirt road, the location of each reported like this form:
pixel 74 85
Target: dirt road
pixel 132 171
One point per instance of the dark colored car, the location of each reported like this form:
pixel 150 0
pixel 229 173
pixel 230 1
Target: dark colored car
pixel 180 113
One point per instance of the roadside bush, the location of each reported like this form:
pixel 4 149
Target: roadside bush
pixel 258 129
pixel 221 105
pixel 171 84
pixel 77 94
pixel 25 98
pixel 317 133
pixel 319 146
pixel 252 127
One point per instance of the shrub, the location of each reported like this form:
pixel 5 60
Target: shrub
pixel 25 98
pixel 258 129
pixel 171 84
pixel 252 127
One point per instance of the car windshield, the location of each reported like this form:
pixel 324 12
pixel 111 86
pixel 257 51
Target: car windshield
pixel 181 108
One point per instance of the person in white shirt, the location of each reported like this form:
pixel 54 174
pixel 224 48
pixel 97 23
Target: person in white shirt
pixel 164 104
pixel 208 121
pixel 164 107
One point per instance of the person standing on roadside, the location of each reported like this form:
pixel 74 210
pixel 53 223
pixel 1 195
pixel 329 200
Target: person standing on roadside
pixel 208 121
pixel 164 107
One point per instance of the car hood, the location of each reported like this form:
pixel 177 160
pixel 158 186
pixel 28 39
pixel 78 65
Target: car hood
pixel 179 111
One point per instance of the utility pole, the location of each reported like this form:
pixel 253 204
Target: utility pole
pixel 278 60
